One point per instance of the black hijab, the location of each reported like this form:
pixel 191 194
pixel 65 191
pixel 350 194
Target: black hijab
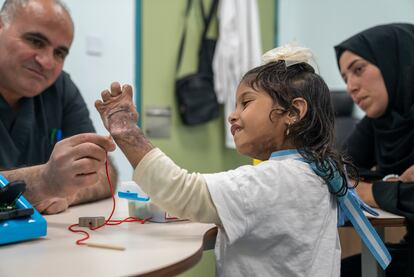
pixel 391 48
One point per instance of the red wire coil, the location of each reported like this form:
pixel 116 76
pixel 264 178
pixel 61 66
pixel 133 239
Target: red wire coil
pixel 109 221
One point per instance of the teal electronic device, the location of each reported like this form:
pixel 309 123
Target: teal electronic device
pixel 21 223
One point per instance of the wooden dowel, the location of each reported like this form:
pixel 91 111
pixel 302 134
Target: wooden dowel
pixel 106 246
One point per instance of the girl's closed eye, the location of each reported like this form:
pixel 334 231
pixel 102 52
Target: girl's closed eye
pixel 245 103
pixel 246 99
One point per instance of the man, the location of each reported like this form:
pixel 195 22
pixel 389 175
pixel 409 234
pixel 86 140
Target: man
pixel 40 105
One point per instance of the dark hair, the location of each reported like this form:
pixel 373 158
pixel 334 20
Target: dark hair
pixel 313 135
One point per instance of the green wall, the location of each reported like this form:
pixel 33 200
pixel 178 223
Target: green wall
pixel 199 148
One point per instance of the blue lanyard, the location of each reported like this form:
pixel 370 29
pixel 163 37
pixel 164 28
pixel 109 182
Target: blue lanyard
pixel 350 206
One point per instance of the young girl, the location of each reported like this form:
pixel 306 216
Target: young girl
pixel 278 218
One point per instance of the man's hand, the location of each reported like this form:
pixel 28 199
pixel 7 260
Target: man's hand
pixel 75 173
pixel 74 163
pixel 52 205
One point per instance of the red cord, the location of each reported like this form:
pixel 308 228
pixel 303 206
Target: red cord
pixel 109 221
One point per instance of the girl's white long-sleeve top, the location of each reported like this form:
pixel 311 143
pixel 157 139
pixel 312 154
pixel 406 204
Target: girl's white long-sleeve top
pixel 275 219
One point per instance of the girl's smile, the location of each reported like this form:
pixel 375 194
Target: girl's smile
pixel 255 133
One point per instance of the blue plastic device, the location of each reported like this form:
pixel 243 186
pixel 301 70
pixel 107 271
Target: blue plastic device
pixel 25 228
pixel 131 191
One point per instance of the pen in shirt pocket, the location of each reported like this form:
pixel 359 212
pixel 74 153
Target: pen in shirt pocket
pixel 55 136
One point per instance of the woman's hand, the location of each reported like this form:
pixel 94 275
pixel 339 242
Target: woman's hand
pixel 408 175
pixel 364 190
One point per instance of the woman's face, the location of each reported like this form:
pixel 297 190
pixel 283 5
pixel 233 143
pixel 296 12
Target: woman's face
pixel 365 84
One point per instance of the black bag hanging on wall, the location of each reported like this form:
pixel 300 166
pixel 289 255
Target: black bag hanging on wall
pixel 196 98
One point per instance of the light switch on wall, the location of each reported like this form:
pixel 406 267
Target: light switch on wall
pixel 94 46
pixel 158 122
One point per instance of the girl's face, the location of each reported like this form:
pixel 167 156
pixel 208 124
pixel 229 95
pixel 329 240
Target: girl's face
pixel 255 135
pixel 365 84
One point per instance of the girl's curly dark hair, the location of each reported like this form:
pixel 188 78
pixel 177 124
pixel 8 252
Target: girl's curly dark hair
pixel 313 135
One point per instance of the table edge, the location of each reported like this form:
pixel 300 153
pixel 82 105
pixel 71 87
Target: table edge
pixel 209 239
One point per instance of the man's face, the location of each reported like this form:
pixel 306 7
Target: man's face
pixel 33 47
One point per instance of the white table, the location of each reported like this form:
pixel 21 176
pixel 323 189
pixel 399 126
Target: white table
pixel 369 266
pixel 152 249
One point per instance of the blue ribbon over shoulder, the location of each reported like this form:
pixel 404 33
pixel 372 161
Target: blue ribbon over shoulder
pixel 350 207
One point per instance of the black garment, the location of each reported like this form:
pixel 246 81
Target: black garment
pixel 388 141
pixel 26 136
pixel 390 48
pixel 351 266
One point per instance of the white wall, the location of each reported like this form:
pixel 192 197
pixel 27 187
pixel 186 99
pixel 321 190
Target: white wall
pixel 321 24
pixel 110 25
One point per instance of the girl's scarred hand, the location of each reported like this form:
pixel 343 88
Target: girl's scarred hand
pixel 120 118
pixel 117 110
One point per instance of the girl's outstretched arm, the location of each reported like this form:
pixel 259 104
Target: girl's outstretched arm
pixel 181 193
pixel 120 118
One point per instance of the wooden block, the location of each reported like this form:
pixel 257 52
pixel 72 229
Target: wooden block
pixel 91 221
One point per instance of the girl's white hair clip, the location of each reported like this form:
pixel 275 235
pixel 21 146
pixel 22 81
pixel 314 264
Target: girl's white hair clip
pixel 291 54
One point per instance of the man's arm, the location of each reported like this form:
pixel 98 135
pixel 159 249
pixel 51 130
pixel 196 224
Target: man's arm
pixel 36 186
pixel 38 192
pixel 75 164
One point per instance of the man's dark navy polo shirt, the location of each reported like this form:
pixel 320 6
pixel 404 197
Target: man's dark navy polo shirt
pixel 28 135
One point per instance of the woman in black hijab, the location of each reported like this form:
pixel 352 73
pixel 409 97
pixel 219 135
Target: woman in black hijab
pixel 378 67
